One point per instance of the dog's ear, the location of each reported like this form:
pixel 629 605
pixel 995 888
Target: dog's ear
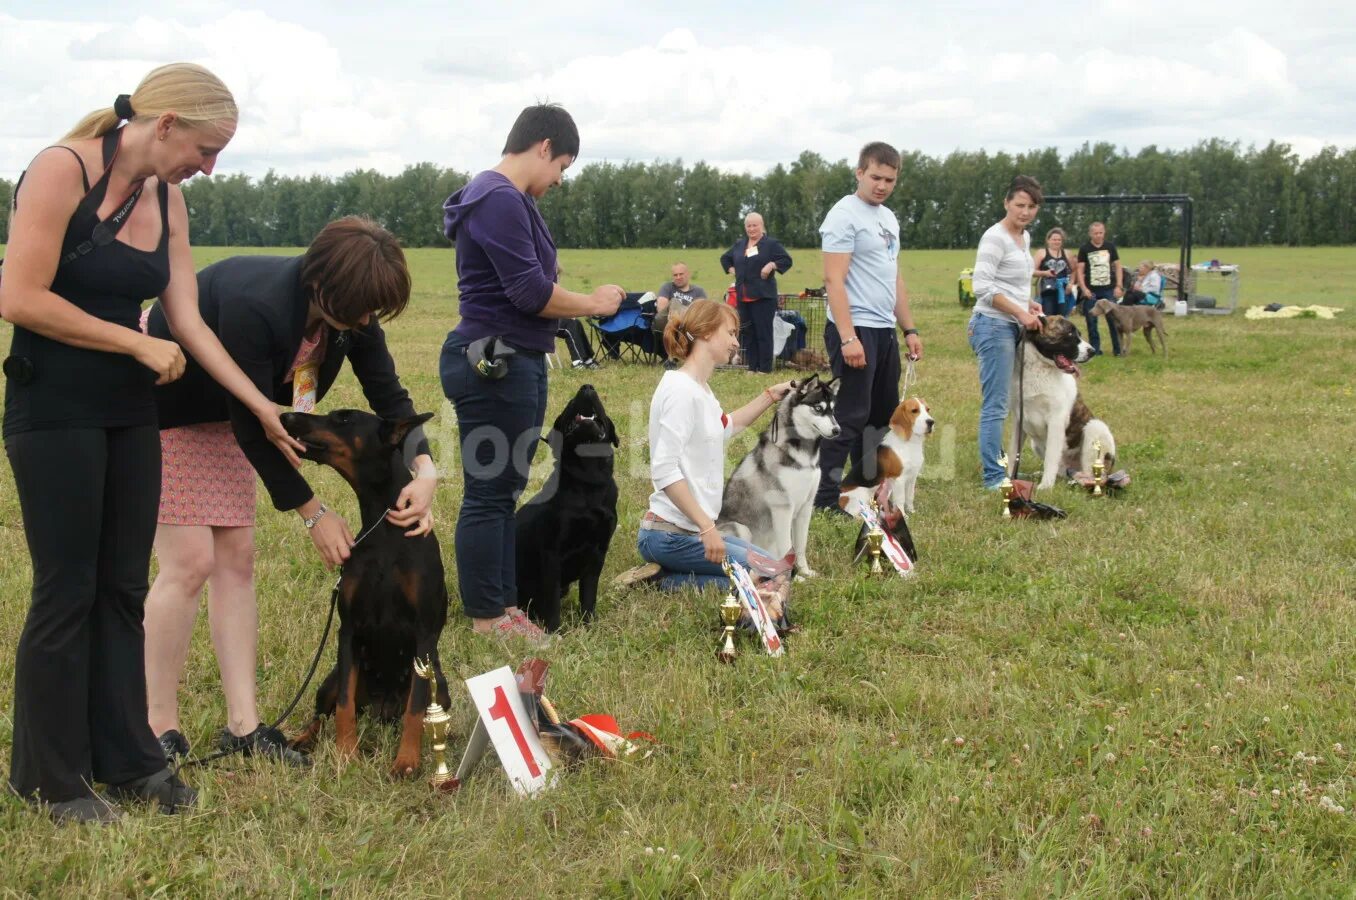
pixel 394 431
pixel 831 387
pixel 903 418
pixel 610 430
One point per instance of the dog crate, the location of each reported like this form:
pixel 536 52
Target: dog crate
pixel 1211 288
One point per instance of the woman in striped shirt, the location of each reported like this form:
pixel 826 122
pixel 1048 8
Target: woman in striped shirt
pixel 1003 306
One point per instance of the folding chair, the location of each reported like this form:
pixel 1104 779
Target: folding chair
pixel 628 334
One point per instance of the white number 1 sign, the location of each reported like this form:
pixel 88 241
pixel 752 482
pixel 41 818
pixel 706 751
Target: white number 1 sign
pixel 504 720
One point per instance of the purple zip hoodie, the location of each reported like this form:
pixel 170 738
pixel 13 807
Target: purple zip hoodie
pixel 506 263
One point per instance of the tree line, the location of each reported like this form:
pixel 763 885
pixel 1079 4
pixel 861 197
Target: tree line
pixel 1243 196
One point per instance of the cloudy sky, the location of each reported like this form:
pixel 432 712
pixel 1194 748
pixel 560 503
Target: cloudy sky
pixel 326 87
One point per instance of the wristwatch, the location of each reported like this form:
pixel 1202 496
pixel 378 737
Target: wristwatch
pixel 319 514
pixel 909 331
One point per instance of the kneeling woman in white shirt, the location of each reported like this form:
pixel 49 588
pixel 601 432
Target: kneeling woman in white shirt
pixel 688 432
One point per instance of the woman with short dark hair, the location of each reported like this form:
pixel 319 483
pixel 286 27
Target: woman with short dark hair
pixel 493 364
pixel 289 322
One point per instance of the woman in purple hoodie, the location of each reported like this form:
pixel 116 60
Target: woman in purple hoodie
pixel 493 364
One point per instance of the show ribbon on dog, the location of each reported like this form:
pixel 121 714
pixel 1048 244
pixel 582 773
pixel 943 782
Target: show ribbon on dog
pixel 754 608
pixel 889 546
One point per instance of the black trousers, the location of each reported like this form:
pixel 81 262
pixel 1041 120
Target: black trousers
pixel 755 330
pixel 89 498
pixel 867 397
pixel 576 340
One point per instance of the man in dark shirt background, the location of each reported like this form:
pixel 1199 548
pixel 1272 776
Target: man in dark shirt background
pixel 1099 276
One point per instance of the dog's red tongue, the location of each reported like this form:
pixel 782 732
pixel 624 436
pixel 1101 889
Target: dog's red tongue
pixel 1068 365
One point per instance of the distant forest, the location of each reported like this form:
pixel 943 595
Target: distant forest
pixel 1243 197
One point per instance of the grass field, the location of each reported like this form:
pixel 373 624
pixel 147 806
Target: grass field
pixel 1147 699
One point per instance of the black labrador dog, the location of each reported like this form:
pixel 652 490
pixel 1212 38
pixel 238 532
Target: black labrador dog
pixel 563 533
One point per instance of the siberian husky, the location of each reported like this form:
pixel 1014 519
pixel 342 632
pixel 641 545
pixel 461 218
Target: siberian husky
pixel 1045 383
pixel 770 497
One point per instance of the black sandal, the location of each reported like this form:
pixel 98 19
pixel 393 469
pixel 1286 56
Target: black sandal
pixel 164 788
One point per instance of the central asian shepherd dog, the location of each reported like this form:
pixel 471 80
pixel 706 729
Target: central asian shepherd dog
pixel 392 597
pixel 564 531
pixel 1053 415
pixel 769 498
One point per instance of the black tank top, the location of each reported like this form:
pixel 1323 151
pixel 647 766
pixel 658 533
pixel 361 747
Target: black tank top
pixel 74 387
pixel 1057 264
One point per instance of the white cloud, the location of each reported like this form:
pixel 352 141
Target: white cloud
pixel 397 86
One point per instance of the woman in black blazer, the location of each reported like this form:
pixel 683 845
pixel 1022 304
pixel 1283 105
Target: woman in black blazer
pixel 289 323
pixel 754 261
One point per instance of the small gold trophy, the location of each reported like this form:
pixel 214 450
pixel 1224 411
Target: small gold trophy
pixel 1005 487
pixel 1098 469
pixel 875 538
pixel 730 610
pixel 437 723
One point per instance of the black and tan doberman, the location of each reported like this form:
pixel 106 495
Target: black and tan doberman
pixel 392 597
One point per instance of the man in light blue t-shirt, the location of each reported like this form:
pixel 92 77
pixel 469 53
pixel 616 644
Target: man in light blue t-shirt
pixel 867 299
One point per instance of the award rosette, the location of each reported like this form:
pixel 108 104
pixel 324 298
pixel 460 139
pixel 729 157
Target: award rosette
pixel 890 547
pixel 754 608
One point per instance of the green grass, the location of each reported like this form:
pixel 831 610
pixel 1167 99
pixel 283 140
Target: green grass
pixel 1111 705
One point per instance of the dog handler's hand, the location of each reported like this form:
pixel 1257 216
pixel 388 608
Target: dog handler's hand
pixel 164 358
pixel 915 345
pixel 1029 321
pixel 715 546
pixel 330 534
pixel 607 298
pixel 778 391
pixel 412 507
pixel 277 435
pixel 854 354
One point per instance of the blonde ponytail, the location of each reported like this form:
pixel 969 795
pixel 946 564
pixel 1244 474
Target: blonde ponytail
pixel 191 92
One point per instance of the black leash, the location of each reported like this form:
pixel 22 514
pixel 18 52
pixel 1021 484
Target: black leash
pixel 1016 462
pixel 310 673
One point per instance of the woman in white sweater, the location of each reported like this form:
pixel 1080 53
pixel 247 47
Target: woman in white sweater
pixel 1003 306
pixel 688 432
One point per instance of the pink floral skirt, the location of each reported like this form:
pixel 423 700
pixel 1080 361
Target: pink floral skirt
pixel 205 478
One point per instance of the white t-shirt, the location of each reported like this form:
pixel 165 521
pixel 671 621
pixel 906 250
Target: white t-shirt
pixel 871 234
pixel 688 432
pixel 1002 266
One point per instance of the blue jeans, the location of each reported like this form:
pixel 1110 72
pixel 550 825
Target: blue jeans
pixel 684 561
pixel 1107 292
pixel 995 343
pixel 499 427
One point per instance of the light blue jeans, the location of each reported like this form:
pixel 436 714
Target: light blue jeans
pixel 683 558
pixel 995 343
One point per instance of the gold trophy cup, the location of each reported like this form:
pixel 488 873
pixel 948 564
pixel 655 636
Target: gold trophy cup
pixel 1098 469
pixel 1005 487
pixel 875 538
pixel 437 724
pixel 730 611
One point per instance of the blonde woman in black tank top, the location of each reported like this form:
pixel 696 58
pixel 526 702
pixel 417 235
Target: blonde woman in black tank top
pixel 80 428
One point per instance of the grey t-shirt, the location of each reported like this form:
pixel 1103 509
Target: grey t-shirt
pixel 871 234
pixel 681 299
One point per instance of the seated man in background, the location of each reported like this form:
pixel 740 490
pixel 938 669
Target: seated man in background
pixel 676 294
